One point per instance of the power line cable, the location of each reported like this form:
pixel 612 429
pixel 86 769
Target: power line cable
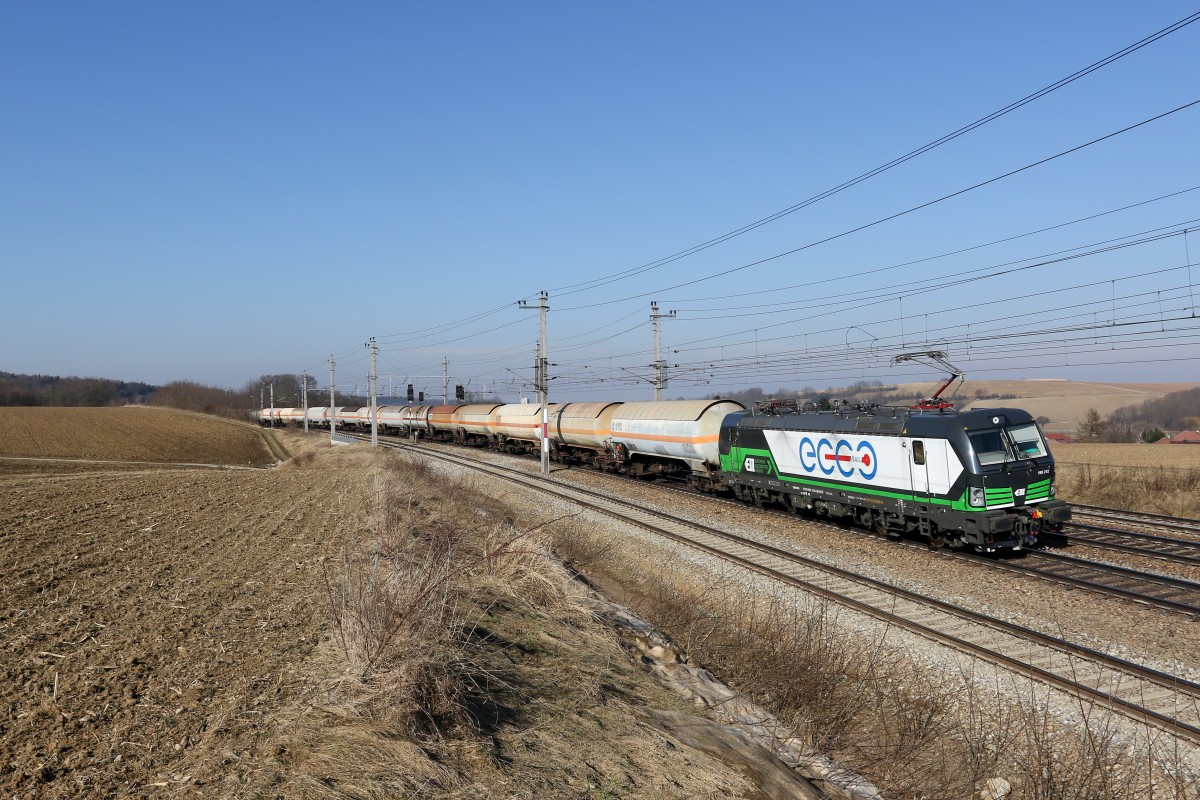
pixel 578 287
pixel 896 215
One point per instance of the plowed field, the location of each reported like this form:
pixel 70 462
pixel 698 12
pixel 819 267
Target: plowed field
pixel 150 618
pixel 130 433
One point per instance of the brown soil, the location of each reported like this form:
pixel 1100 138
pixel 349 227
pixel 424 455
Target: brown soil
pixel 148 619
pixel 131 433
pixel 166 632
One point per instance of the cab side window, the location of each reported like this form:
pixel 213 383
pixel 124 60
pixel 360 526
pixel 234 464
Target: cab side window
pixel 918 451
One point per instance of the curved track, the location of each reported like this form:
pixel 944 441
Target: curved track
pixel 1164 701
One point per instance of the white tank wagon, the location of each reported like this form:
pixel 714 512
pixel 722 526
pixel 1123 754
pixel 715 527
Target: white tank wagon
pixel 349 416
pixel 276 417
pixel 671 437
pixel 518 426
pixel 320 416
pixel 391 418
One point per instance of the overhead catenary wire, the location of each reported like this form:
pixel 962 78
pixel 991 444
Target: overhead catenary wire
pixel 1054 86
pixel 575 288
pixel 844 233
pixel 897 215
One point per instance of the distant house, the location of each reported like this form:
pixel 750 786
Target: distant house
pixel 1184 437
pixel 1059 437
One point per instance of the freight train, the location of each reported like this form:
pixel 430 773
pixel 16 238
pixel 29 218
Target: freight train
pixel 981 479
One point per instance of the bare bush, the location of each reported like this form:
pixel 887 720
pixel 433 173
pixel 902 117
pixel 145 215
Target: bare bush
pixel 912 730
pixel 1157 489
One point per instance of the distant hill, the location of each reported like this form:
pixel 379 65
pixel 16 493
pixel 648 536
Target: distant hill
pixel 1065 403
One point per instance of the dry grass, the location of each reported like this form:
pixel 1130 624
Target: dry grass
pixel 322 629
pixel 464 662
pixel 1125 456
pixel 913 731
pixel 1161 479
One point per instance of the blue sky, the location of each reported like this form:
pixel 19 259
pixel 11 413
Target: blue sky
pixel 216 191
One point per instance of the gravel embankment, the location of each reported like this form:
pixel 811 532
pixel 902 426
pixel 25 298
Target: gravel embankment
pixel 1158 639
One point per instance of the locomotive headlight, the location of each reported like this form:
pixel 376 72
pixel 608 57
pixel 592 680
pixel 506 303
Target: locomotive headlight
pixel 975 497
pixel 1053 489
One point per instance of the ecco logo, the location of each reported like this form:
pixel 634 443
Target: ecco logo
pixel 1018 492
pixel 749 465
pixel 828 456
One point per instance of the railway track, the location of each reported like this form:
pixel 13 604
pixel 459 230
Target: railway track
pixel 1165 701
pixel 1146 588
pixel 1159 522
pixel 1148 545
pixel 1158 591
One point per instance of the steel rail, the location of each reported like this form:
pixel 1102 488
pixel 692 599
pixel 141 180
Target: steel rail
pixel 1091 674
pixel 1164 548
pixel 1143 517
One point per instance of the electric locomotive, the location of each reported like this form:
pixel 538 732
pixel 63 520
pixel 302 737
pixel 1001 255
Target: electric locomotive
pixel 981 479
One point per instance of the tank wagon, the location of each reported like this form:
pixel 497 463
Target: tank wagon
pixel 439 422
pixel 277 416
pixel 982 479
pixel 657 437
pixel 676 438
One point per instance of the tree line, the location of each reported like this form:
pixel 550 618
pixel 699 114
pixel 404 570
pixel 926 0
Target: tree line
pixel 52 390
pixel 1146 422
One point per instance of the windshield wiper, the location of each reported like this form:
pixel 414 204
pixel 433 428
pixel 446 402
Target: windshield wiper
pixel 1013 447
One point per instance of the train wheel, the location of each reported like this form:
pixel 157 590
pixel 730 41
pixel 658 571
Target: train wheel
pixel 937 539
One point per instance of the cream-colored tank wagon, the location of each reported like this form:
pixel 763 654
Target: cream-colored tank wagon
pixel 441 423
pixel 581 433
pixel 675 437
pixel 415 421
pixel 517 427
pixel 472 424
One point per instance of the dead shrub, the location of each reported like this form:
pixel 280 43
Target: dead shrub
pixel 1174 491
pixel 408 599
pixel 913 730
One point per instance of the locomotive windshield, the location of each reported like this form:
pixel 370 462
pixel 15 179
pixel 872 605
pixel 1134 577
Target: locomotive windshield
pixel 1013 443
